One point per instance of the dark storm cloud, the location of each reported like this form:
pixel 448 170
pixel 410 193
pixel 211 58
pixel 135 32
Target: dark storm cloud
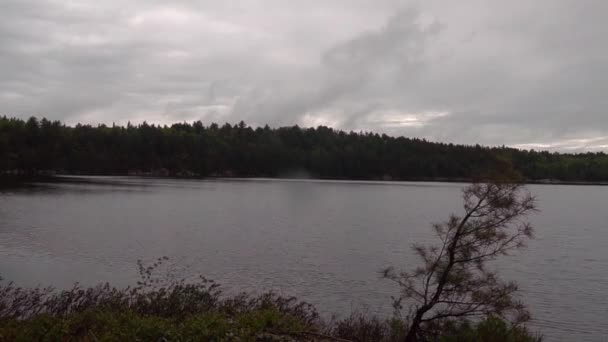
pixel 528 74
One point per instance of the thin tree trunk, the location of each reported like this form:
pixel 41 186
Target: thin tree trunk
pixel 412 334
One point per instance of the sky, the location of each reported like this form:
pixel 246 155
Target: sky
pixel 528 74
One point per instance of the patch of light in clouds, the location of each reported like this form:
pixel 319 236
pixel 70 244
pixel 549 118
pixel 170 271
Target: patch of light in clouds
pixel 514 73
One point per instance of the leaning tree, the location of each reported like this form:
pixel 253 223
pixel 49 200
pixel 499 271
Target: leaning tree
pixel 454 282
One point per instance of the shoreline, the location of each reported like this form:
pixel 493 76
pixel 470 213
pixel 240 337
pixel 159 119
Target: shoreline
pixel 49 176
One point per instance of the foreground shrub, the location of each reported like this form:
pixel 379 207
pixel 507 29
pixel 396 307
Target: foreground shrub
pixel 158 309
pixel 129 326
pixel 490 329
pixel 359 327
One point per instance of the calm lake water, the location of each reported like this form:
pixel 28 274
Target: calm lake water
pixel 322 241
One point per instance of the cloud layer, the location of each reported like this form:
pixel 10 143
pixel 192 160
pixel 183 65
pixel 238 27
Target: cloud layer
pixel 520 73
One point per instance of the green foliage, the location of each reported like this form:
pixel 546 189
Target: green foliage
pixel 256 325
pixel 358 327
pixel 97 325
pixel 490 329
pixel 239 150
pixel 159 309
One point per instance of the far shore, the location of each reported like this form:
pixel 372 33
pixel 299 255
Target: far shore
pixel 9 177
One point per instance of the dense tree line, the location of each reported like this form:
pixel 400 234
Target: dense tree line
pixel 31 146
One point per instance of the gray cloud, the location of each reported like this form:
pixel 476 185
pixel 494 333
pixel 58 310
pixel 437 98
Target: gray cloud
pixel 526 74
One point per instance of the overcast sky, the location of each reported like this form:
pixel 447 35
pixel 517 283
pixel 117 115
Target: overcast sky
pixel 531 74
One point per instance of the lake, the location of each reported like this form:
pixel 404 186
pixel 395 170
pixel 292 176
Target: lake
pixel 322 241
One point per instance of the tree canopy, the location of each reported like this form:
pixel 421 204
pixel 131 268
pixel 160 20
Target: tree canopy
pixel 196 149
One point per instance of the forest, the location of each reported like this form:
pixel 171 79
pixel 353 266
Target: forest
pixel 34 146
